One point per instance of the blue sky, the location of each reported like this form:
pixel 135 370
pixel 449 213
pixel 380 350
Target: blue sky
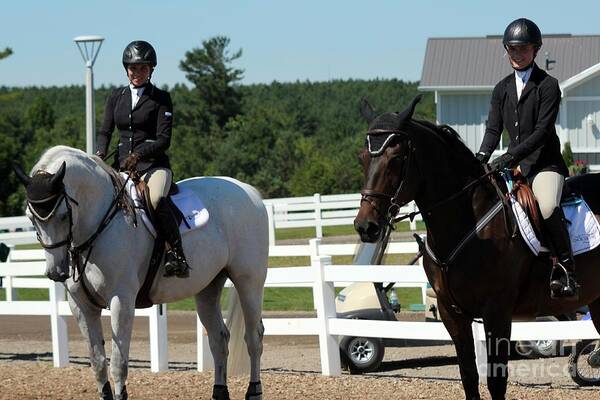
pixel 281 40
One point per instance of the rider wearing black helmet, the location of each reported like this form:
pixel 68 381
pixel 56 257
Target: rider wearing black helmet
pixel 143 114
pixel 525 103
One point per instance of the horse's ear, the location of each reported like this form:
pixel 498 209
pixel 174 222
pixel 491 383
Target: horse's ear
pixel 21 175
pixel 60 174
pixel 413 104
pixel 410 110
pixel 366 110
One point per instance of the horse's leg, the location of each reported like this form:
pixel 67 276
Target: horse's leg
pixel 208 306
pixel 122 314
pixel 497 323
pixel 461 332
pixel 595 313
pixel 88 319
pixel 251 299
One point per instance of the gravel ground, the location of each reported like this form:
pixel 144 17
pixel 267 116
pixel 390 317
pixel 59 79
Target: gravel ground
pixel 291 369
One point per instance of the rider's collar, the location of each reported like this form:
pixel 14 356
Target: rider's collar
pixel 524 74
pixel 138 88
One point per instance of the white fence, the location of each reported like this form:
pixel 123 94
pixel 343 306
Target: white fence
pixel 320 275
pixel 26 268
pixel 291 212
pixel 318 211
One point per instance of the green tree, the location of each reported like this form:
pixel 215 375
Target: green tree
pixel 259 148
pixel 11 150
pixel 567 154
pixel 5 53
pixel 209 69
pixel 40 114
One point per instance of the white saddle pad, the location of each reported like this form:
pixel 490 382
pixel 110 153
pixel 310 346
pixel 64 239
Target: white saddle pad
pixel 194 212
pixel 584 228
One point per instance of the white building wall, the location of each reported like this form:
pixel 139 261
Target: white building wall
pixel 581 127
pixel 466 113
pixel 578 121
pixel 590 87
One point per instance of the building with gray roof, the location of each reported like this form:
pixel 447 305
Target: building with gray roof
pixel 463 71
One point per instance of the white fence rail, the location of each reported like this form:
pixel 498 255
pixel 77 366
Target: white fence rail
pixel 289 212
pixel 318 211
pixel 17 272
pixel 320 274
pixel 315 211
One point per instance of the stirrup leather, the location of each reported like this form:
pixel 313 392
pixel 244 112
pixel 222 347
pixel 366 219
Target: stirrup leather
pixel 562 282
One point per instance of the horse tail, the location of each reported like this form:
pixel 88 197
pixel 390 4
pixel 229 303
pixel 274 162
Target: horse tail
pixel 239 359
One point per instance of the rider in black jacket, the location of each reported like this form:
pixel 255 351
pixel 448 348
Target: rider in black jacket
pixel 143 115
pixel 526 103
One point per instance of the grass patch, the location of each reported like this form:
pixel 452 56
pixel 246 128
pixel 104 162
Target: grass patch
pixel 297 299
pixel 342 230
pixel 24 294
pixel 30 246
pixel 276 299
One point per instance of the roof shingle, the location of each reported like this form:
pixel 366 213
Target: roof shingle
pixel 481 61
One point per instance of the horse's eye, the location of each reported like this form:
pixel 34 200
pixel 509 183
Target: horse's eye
pixel 397 159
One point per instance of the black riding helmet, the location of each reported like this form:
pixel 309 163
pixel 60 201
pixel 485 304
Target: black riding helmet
pixel 522 31
pixel 139 52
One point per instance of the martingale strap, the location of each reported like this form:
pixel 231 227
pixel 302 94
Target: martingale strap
pixel 483 221
pixel 444 264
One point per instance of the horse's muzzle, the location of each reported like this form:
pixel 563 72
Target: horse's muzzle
pixel 369 231
pixel 58 276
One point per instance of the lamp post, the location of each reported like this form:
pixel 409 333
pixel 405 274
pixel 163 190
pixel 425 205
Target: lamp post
pixel 89 47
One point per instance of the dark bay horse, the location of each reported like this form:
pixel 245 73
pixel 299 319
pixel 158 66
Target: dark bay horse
pixel 492 275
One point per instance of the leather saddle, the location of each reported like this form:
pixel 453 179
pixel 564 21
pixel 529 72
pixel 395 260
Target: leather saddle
pixel 143 300
pixel 144 193
pixel 524 195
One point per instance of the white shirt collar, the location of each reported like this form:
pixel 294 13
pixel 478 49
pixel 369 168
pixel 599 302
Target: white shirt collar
pixel 137 90
pixel 136 93
pixel 524 75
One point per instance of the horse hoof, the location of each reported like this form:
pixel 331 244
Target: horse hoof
pixel 220 392
pixel 106 393
pixel 254 391
pixel 123 395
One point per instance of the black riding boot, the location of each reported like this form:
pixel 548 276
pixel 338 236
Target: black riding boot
pixel 175 263
pixel 562 281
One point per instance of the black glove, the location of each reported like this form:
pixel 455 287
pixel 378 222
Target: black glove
pixel 506 160
pixel 482 157
pixel 130 162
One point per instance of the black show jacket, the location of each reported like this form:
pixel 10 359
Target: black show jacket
pixel 144 130
pixel 529 121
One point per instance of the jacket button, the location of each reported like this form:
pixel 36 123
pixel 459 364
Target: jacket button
pixel 516 123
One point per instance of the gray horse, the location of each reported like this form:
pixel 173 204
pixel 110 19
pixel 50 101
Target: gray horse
pixel 69 197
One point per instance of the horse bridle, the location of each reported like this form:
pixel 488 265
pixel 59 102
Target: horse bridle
pixel 62 195
pixel 391 216
pixel 74 252
pixel 367 194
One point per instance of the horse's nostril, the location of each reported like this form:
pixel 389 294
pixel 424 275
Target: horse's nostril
pixel 373 229
pixel 368 230
pixel 358 227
